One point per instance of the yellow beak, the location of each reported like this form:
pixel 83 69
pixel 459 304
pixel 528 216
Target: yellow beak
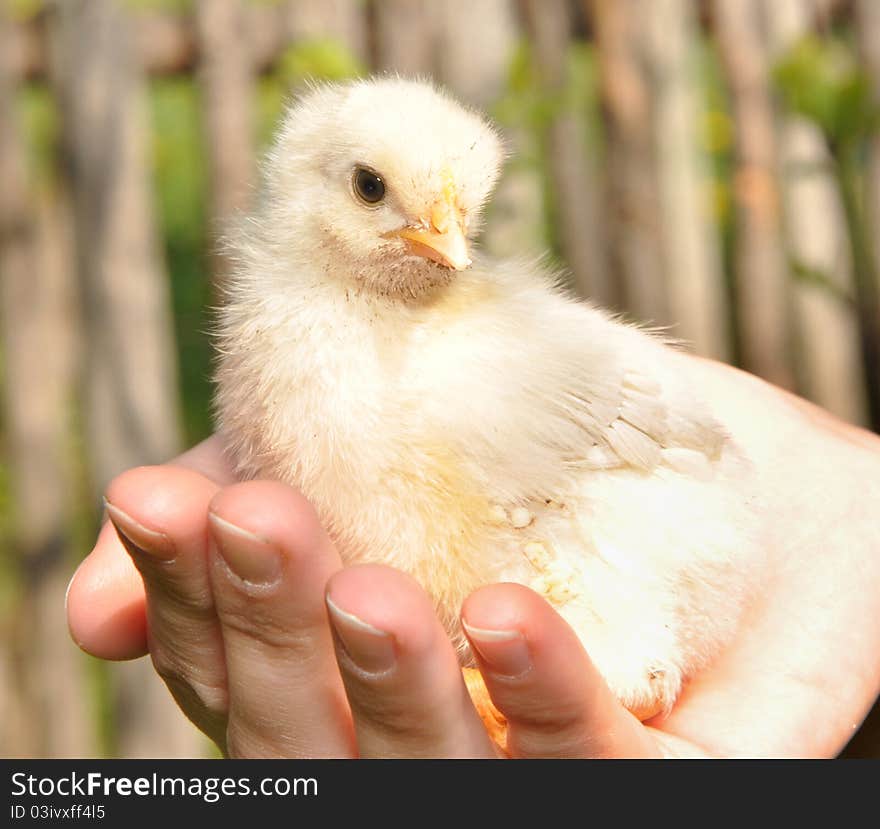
pixel 441 237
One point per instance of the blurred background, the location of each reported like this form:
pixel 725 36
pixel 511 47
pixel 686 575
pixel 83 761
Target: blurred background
pixel 710 166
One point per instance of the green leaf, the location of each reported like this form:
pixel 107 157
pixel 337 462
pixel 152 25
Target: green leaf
pixel 320 59
pixel 809 275
pixel 820 79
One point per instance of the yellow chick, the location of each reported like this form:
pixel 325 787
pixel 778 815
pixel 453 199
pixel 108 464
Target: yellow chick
pixel 466 420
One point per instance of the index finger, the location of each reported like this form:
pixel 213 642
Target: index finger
pixel 208 459
pixel 106 604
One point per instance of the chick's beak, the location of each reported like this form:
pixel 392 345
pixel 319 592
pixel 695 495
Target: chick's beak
pixel 440 237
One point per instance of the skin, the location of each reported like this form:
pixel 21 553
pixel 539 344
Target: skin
pixel 274 649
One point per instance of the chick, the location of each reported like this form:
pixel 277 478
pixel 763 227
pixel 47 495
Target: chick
pixel 466 420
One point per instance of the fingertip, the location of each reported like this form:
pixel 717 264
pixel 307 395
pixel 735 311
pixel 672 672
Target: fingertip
pixel 153 486
pixel 504 606
pixel 400 670
pixel 388 600
pixel 273 512
pixel 105 603
pixel 209 459
pixel 168 500
pixel 541 679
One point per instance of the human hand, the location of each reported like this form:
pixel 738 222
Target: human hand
pixel 260 670
pixel 251 657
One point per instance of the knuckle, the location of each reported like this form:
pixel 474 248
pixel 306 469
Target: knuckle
pixel 530 710
pixel 394 715
pixel 195 695
pixel 242 744
pixel 175 595
pixel 168 668
pixel 293 638
pixel 198 692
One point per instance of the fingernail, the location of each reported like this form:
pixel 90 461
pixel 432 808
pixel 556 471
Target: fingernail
pixel 504 651
pixel 137 538
pixel 248 556
pixel 370 649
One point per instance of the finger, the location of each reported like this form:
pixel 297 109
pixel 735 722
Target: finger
pixel 270 562
pixel 105 602
pixel 105 599
pixel 540 677
pixel 160 514
pixel 401 673
pixel 208 459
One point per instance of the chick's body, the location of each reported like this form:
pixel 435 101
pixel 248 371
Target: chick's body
pixel 471 423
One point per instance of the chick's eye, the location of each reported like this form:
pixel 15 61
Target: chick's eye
pixel 369 186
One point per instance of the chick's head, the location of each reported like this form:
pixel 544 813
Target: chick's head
pixel 381 182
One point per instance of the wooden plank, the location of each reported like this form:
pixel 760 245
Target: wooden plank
pixel 129 395
pixel 164 43
pixel 762 288
pixel 225 74
pixel 631 195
